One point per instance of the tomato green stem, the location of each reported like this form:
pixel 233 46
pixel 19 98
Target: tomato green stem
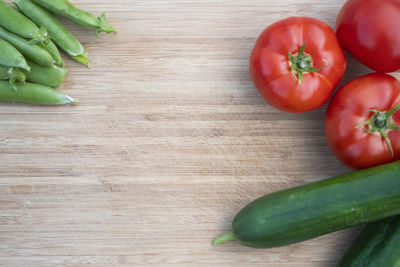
pixel 394 110
pixel 381 122
pixel 301 63
pixel 223 238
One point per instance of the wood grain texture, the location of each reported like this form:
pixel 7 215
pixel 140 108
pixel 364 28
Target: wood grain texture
pixel 169 142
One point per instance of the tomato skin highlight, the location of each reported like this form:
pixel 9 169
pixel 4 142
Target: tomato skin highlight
pixel 370 31
pixel 270 65
pixel 351 105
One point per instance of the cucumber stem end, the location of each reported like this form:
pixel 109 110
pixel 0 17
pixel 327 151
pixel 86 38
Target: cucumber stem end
pixel 223 238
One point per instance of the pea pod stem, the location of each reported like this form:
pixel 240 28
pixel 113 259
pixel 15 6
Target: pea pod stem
pixel 103 25
pixel 13 75
pixel 66 9
pixel 16 76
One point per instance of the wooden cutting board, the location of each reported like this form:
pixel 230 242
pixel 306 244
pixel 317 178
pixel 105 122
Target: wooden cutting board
pixel 169 142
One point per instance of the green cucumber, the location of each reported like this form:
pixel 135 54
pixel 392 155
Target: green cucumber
pixel 319 208
pixel 377 245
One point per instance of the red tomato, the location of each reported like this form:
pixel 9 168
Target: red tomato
pixel 297 63
pixel 369 30
pixel 361 122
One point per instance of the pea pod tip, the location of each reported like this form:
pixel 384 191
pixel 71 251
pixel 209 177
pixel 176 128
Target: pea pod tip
pixel 72 100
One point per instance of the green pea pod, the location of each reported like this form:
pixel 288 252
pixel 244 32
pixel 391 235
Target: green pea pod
pixel 11 57
pixel 66 9
pixel 34 52
pixel 48 76
pixel 4 72
pixel 377 245
pixel 13 75
pixel 17 23
pixel 58 33
pixel 53 51
pixel 32 93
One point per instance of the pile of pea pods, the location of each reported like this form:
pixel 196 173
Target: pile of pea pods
pixel 30 62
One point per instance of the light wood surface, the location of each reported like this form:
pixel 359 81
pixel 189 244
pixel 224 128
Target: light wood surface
pixel 169 142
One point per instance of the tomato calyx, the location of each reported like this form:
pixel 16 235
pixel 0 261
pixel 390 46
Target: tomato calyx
pixel 381 122
pixel 301 63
